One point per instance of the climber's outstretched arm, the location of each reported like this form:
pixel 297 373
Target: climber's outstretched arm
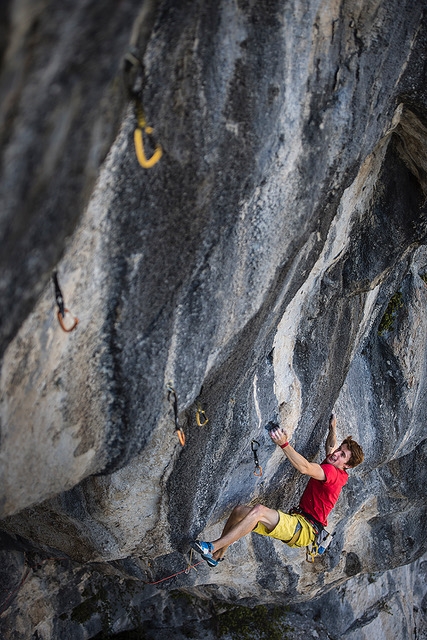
pixel 331 440
pixel 312 469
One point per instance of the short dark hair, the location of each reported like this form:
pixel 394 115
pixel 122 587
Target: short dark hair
pixel 357 455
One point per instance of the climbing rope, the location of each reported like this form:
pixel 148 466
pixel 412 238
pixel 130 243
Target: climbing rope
pixel 133 72
pixel 27 571
pixel 11 595
pixel 62 311
pixel 186 571
pixel 28 568
pixel 258 468
pixel 172 394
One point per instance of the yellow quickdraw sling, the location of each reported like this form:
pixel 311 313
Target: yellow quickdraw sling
pixel 133 72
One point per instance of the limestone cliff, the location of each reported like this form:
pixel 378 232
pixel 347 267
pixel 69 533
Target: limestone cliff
pixel 271 265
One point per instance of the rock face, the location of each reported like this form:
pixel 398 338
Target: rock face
pixel 271 265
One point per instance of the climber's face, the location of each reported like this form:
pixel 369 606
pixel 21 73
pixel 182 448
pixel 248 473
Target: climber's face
pixel 340 457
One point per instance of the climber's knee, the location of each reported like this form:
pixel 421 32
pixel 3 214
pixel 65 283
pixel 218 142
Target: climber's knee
pixel 266 516
pixel 241 510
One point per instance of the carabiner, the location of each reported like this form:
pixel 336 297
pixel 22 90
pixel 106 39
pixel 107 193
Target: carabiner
pixel 258 468
pixel 310 555
pixel 61 319
pixel 145 162
pixel 199 415
pixel 139 149
pixel 254 448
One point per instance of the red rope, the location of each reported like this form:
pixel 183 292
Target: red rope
pixel 27 572
pixel 186 570
pixel 13 593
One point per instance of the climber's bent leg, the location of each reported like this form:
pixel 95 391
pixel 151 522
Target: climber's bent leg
pixel 245 520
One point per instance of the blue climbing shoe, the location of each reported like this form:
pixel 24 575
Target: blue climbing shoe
pixel 206 550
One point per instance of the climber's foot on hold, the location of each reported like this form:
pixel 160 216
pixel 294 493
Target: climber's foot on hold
pixel 206 551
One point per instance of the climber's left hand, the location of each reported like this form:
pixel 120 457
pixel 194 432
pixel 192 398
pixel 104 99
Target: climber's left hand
pixel 279 436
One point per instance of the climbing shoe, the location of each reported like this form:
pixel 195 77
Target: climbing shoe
pixel 206 550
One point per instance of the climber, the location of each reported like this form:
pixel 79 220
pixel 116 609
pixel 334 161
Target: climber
pixel 300 527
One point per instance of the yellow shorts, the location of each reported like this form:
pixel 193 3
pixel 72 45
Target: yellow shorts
pixel 285 529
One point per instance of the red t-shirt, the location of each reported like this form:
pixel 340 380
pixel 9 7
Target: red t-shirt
pixel 320 497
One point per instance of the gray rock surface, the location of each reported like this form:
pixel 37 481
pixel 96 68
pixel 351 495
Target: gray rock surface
pixel 271 265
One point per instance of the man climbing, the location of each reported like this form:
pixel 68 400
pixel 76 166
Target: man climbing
pixel 299 527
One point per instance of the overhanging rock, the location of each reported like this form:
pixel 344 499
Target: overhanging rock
pixel 250 269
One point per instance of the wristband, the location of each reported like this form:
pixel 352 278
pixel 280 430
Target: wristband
pixel 282 446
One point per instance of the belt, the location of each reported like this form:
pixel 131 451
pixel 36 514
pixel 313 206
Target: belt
pixel 317 526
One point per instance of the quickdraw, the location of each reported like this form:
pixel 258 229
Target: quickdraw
pixel 201 417
pixel 133 72
pixel 180 433
pixel 258 468
pixel 62 311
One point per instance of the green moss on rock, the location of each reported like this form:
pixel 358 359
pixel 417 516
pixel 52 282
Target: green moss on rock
pixel 387 321
pixel 244 623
